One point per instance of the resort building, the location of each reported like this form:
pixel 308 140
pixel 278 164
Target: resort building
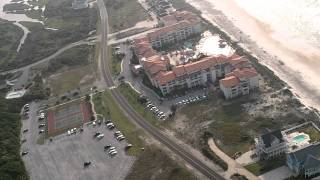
pixel 178 26
pixel 186 69
pixel 239 82
pixel 80 4
pixel 305 160
pixel 270 145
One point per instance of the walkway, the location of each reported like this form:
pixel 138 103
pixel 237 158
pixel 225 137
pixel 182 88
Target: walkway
pixel 233 166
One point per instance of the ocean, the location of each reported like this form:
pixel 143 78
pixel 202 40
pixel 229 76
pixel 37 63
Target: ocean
pixel 297 21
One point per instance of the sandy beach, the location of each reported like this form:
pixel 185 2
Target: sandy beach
pixel 294 62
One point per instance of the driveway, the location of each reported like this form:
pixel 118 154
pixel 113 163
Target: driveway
pixel 233 166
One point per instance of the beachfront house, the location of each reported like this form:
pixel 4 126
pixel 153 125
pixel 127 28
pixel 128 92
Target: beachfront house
pixel 270 145
pixel 305 161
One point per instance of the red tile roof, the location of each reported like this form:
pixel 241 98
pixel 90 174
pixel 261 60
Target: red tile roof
pixel 229 81
pixel 243 73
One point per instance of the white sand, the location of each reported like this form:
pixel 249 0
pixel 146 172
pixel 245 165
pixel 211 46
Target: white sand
pixel 299 64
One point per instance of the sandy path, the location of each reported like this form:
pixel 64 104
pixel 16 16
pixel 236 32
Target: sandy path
pixel 297 68
pixel 233 166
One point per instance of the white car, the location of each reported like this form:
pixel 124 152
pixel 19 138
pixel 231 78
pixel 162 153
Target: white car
pixel 100 136
pixel 120 138
pixel 111 151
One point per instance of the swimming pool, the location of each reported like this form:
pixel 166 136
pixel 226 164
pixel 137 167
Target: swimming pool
pixel 300 138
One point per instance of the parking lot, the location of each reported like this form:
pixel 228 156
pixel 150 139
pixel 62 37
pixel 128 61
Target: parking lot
pixel 64 157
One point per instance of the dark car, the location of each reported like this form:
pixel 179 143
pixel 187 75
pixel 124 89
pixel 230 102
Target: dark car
pixel 86 164
pixel 96 134
pixel 24 153
pixel 106 147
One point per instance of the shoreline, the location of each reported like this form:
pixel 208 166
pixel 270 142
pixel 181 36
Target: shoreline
pixel 303 91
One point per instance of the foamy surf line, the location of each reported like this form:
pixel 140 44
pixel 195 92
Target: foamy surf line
pixel 307 93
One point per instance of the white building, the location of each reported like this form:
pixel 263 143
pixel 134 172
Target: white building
pixel 178 26
pixel 270 145
pixel 239 82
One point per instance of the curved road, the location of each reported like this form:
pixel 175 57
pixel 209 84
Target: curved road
pixel 180 151
pixel 78 43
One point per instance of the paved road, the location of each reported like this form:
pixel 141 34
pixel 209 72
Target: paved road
pixel 183 153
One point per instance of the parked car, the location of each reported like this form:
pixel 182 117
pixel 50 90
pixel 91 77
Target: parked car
pixel 24 153
pixel 113 153
pixel 120 138
pixel 128 146
pixel 117 133
pixel 41 125
pixel 100 136
pixel 25 130
pixel 96 134
pixel 106 147
pixel 110 126
pixel 41 131
pixel 86 164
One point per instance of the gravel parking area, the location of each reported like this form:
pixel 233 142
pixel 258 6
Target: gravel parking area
pixel 63 158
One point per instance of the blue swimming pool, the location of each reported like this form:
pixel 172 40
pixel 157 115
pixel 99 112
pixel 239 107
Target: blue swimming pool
pixel 299 138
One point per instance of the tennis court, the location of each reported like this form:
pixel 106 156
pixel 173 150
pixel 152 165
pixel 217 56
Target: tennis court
pixel 69 115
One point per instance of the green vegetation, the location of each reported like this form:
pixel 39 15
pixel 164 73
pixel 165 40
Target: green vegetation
pixel 124 14
pixel 157 165
pixel 74 57
pixel 9 40
pixel 105 105
pixel 133 98
pixel 311 131
pixel 37 90
pixel 265 166
pixel 72 25
pixel 232 126
pixel 71 79
pixel 15 7
pixel 11 165
pixel 115 62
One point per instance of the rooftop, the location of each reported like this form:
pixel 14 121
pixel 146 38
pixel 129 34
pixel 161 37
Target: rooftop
pixel 272 136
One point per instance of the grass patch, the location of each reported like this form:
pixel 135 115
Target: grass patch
pixel 104 104
pixel 262 167
pixel 133 99
pixel 9 40
pixel 70 80
pixel 311 131
pixel 124 14
pixel 157 165
pixel 74 57
pixel 115 62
